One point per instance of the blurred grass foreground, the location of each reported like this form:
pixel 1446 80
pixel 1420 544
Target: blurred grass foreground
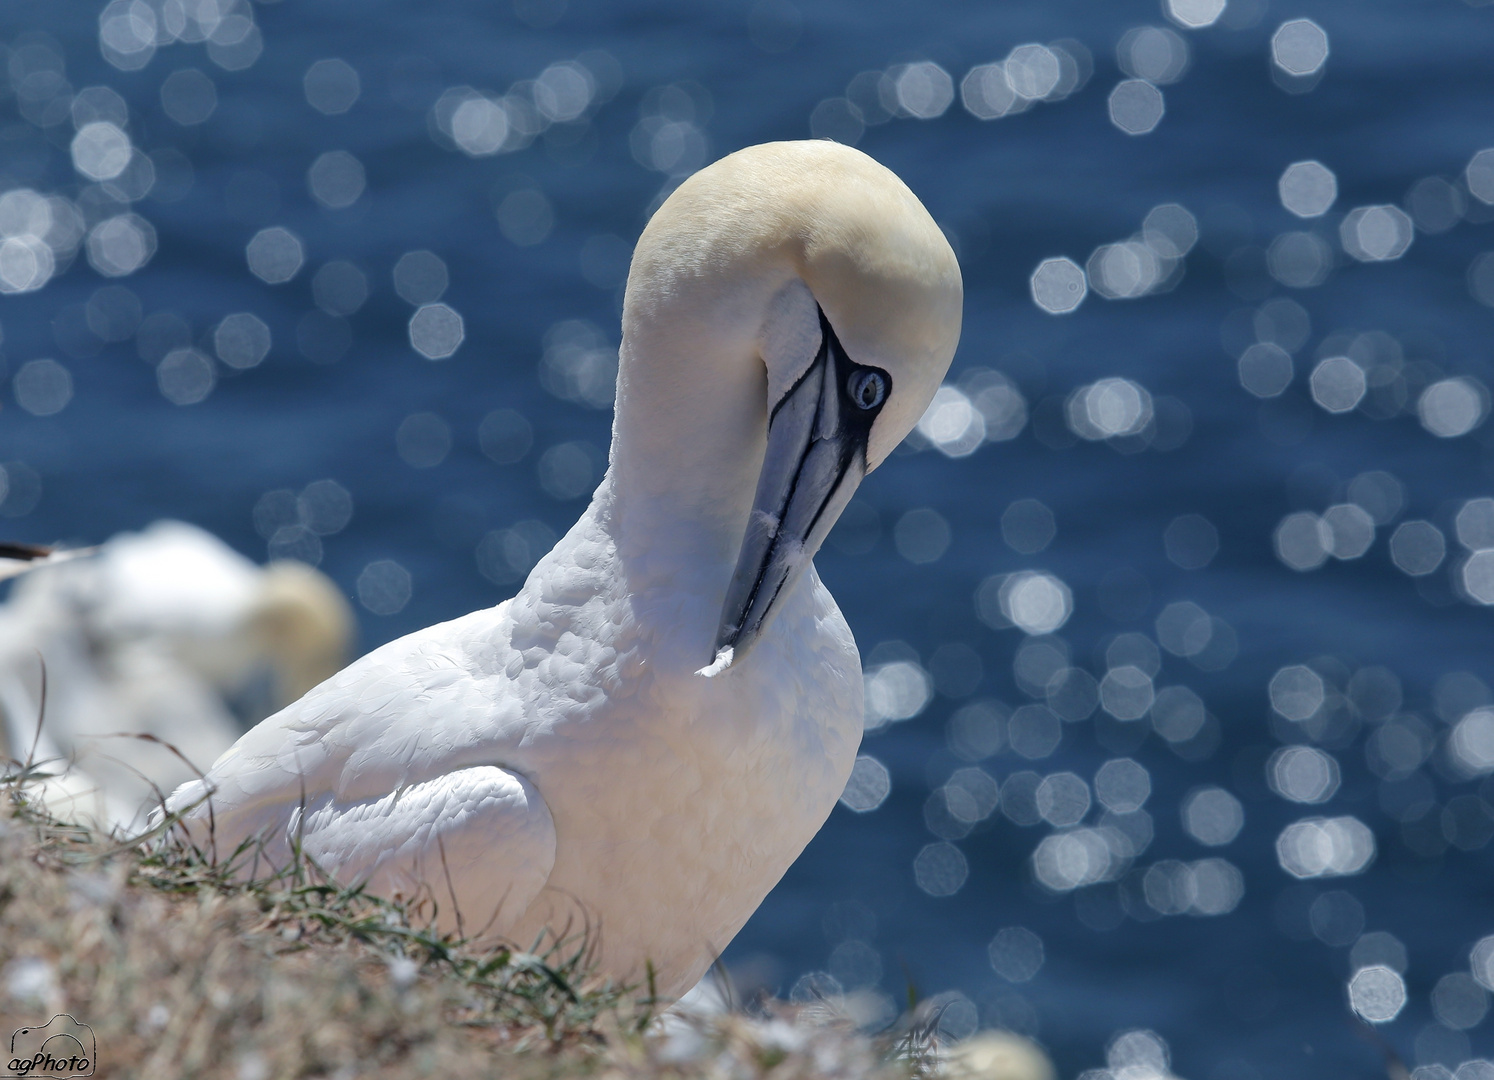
pixel 180 971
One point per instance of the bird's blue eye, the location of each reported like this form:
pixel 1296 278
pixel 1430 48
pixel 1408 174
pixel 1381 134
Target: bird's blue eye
pixel 867 388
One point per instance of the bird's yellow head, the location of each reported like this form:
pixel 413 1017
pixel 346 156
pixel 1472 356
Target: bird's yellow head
pixel 790 311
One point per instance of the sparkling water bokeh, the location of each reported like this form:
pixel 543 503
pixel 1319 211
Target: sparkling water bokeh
pixel 1173 609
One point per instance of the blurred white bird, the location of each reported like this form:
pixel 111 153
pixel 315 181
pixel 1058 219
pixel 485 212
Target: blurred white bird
pixel 168 633
pixel 565 756
pixel 996 1055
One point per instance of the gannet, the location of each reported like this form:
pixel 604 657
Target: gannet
pixel 644 738
pixel 167 632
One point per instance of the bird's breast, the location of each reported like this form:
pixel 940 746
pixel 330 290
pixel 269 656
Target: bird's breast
pixel 679 800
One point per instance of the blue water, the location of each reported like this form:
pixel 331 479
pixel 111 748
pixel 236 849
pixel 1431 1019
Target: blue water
pixel 1407 93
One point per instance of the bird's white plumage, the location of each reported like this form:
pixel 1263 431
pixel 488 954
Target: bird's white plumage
pixel 672 793
pixel 577 767
pixel 446 828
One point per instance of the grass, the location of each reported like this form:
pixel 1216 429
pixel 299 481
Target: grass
pixel 182 971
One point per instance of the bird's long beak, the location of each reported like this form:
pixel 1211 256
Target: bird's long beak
pixel 817 436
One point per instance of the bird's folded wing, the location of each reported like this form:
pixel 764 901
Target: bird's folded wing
pixel 410 711
pixel 472 848
pixel 393 774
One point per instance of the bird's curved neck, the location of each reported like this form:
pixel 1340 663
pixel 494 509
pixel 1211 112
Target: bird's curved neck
pixel 688 436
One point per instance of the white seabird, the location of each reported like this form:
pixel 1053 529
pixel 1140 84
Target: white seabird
pixel 647 735
pixel 167 633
